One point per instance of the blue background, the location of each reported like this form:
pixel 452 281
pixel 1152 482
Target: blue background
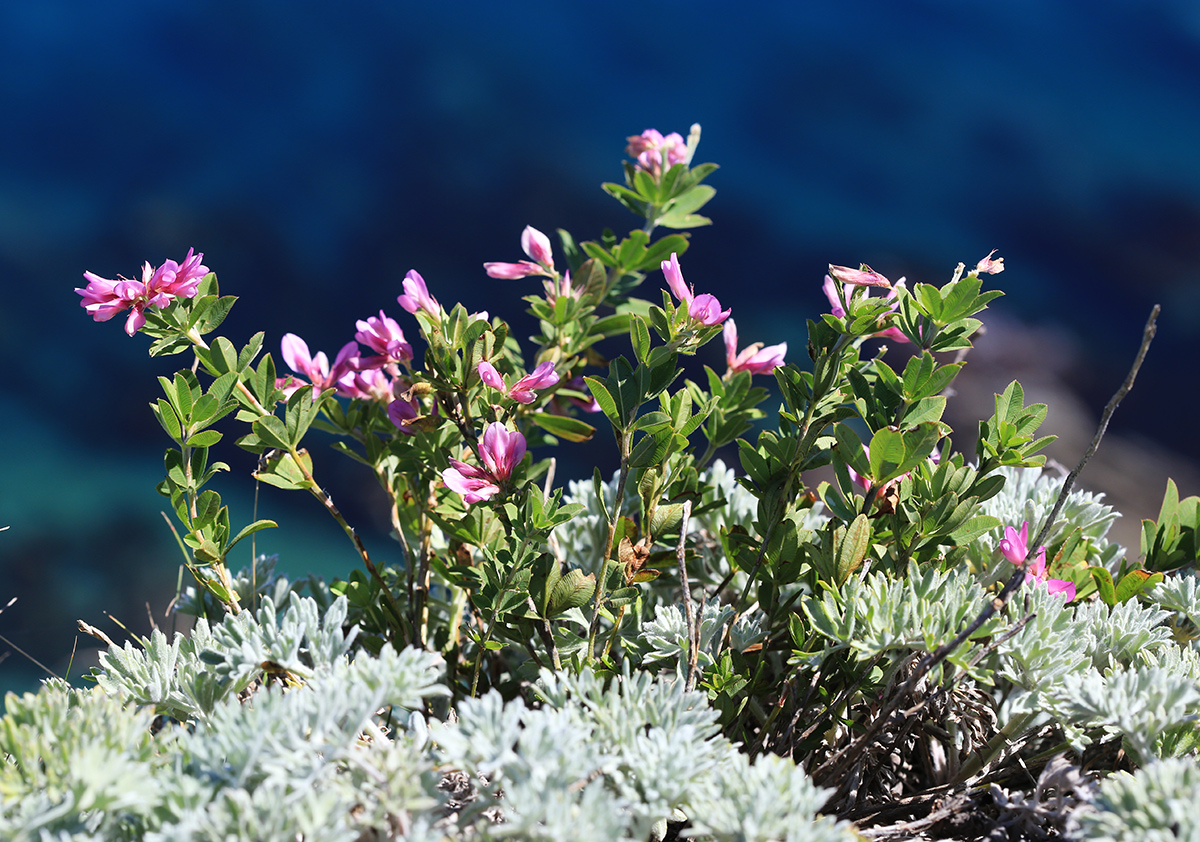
pixel 316 151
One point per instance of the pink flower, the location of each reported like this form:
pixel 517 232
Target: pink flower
pixel 704 308
pixel 402 413
pixel 1015 546
pixel 383 336
pixel 542 377
pixel 754 359
pixel 416 296
pixel 536 245
pixel 649 146
pixel 316 368
pixel 370 384
pixel 989 266
pixel 859 277
pixel 500 451
pixel 103 298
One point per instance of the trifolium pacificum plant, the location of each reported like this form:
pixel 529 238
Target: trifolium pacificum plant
pixel 709 642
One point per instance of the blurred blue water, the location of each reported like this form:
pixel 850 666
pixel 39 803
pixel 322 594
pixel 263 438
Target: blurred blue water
pixel 316 152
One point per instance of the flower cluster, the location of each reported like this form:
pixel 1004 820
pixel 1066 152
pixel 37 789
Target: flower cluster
pixel 1015 547
pixel 103 298
pixel 650 147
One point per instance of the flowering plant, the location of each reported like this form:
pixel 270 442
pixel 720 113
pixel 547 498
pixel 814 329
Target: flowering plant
pixel 835 600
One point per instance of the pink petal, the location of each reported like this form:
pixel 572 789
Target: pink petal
pixel 859 277
pixel 537 245
pixel 489 375
pixel 674 276
pixel 511 271
pixel 501 450
pixel 706 309
pixel 472 489
pixel 295 353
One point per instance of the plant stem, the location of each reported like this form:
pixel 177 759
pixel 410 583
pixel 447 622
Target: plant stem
pixel 624 440
pixel 685 587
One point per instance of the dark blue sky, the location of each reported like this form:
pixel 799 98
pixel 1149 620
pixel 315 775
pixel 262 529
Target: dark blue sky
pixel 315 152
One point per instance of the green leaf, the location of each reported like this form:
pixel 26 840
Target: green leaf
pixel 208 507
pixel 215 314
pixel 974 528
pixel 169 420
pixel 250 351
pixel 683 220
pixel 607 405
pixel 205 438
pixel 853 548
pixel 1104 585
pixel 652 449
pixel 224 357
pixel 299 415
pixel 691 200
pixel 280 469
pixel 887 455
pixel 661 250
pixel 257 526
pixel 183 396
pixel 271 431
pixel 639 335
pixel 850 448
pixel 568 429
pixel 573 590
pixel 1135 582
pixel 926 409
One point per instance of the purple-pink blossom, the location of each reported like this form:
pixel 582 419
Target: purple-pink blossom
pixel 316 368
pixel 368 384
pixel 383 336
pixel 104 298
pixel 536 246
pixel 650 146
pixel 416 296
pixel 179 280
pixel 754 358
pixel 500 451
pixel 1014 546
pixel 704 308
pixel 402 413
pixel 522 391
